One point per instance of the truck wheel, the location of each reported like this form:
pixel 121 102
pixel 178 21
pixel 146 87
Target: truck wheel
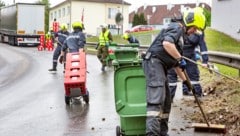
pixel 15 41
pixel 1 38
pixel 86 97
pixel 67 100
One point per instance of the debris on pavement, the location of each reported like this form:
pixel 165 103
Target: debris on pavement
pixel 221 104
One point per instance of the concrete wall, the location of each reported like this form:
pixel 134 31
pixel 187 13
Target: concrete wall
pixel 225 17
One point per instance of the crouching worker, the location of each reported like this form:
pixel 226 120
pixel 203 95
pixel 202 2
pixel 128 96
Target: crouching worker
pixel 130 38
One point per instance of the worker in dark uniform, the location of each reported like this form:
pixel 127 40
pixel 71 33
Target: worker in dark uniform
pixel 75 41
pixel 191 43
pixel 163 54
pixel 130 38
pixel 60 37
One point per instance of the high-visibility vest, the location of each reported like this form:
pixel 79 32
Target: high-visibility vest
pixel 103 38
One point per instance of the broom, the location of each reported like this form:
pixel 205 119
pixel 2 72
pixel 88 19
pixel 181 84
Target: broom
pixel 202 126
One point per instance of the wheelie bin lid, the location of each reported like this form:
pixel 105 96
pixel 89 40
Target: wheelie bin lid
pixel 124 53
pixel 126 56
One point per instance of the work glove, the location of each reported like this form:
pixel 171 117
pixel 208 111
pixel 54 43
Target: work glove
pixel 197 56
pixel 61 59
pixel 182 64
pixel 188 84
pixel 205 65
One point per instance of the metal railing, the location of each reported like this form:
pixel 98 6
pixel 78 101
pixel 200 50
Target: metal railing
pixel 227 59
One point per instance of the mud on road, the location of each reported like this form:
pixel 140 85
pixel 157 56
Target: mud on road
pixel 221 103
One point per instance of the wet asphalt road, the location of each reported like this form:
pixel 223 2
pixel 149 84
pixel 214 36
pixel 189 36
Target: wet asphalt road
pixel 32 99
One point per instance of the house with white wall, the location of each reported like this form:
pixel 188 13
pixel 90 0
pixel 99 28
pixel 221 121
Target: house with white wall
pixel 225 17
pixel 160 15
pixel 92 13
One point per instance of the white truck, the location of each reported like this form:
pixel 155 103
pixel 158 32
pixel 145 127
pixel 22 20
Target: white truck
pixel 22 24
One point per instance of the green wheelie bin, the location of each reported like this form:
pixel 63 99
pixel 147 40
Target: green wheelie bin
pixel 129 93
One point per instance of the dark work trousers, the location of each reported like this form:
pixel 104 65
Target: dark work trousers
pixel 158 98
pixel 172 79
pixel 194 76
pixel 193 73
pixel 56 54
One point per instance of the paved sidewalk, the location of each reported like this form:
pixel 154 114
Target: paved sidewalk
pixel 178 124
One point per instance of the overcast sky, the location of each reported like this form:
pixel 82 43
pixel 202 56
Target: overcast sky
pixel 135 3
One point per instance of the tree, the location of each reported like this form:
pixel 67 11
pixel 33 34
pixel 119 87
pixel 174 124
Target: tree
pixel 142 19
pixel 139 20
pixel 119 20
pixel 47 7
pixel 2 3
pixel 135 20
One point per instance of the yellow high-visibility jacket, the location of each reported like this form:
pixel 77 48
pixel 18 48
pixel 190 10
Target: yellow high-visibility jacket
pixel 103 38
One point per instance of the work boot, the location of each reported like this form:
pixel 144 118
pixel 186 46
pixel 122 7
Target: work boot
pixel 103 68
pixel 187 93
pixel 52 70
pixel 54 67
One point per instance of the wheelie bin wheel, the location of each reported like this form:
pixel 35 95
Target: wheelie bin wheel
pixel 109 62
pixel 118 131
pixel 67 100
pixel 86 97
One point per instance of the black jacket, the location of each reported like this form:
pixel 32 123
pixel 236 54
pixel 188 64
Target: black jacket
pixel 173 33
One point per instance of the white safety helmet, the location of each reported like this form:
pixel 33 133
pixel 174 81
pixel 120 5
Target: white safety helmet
pixel 104 26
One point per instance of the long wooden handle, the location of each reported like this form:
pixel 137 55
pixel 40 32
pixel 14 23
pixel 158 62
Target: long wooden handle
pixel 210 69
pixel 194 94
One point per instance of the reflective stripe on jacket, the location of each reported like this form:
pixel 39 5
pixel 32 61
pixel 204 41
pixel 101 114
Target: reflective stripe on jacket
pixel 74 41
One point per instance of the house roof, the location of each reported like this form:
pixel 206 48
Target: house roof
pixel 158 12
pixel 95 1
pixel 107 1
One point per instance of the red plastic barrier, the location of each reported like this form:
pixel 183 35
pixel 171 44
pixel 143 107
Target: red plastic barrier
pixel 76 60
pixel 49 44
pixel 75 72
pixel 75 81
pixel 55 26
pixel 41 46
